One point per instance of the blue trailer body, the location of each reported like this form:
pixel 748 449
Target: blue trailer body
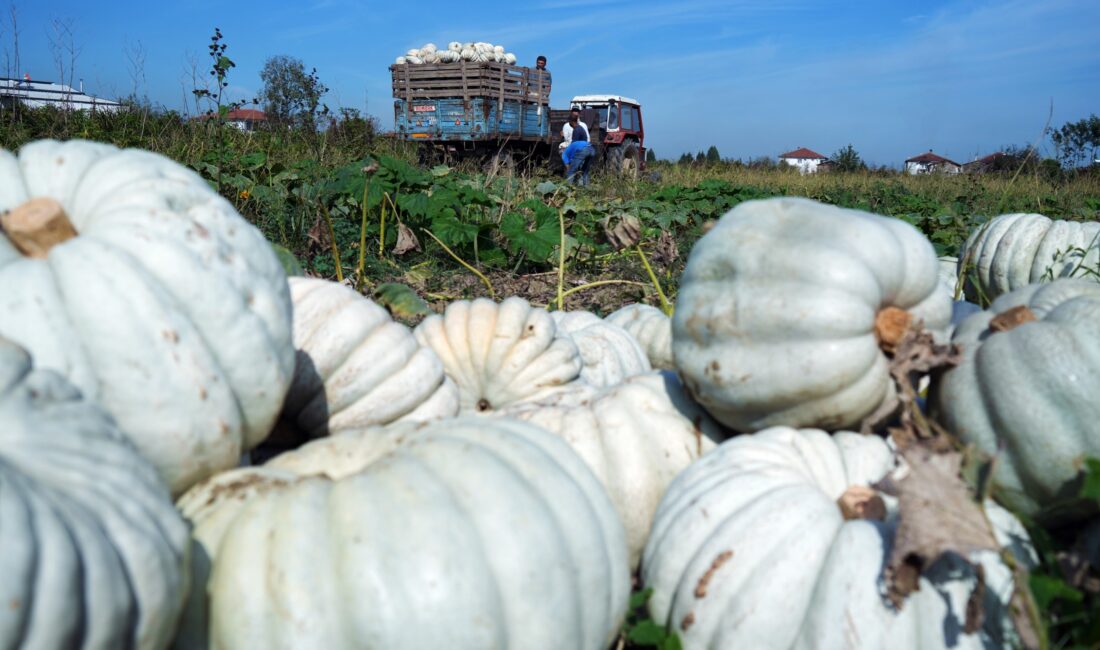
pixel 488 103
pixel 480 118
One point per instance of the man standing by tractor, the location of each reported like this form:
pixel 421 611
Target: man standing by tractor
pixel 578 158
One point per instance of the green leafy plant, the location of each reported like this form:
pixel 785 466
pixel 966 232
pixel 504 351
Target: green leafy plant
pixel 641 631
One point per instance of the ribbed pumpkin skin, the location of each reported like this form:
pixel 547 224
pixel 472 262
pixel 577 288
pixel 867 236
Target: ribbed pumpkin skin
pixel 499 353
pixel 462 533
pixel 636 437
pixel 653 330
pixel 356 366
pixel 609 354
pixel 1029 394
pixel 92 552
pixel 1015 250
pixel 749 550
pixel 774 322
pixel 168 308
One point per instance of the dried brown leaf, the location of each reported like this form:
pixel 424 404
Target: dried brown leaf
pixel 623 230
pixel 666 252
pixel 406 240
pixel 938 514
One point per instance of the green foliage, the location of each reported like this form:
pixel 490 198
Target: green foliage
pixel 291 96
pixel 640 631
pixel 1078 142
pixel 400 300
pixel 650 157
pixel 712 155
pixel 1064 584
pixel 848 160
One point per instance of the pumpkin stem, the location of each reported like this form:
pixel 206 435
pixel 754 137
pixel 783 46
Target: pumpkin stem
pixel 861 502
pixel 891 324
pixel 1012 318
pixel 37 226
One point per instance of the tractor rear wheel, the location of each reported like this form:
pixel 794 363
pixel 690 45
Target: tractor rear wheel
pixel 622 160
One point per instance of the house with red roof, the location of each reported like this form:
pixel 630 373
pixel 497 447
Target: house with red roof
pixel 985 164
pixel 806 160
pixel 931 163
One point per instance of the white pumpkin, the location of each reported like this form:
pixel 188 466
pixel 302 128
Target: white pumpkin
pixel 498 354
pixel 92 552
pixel 464 533
pixel 1014 250
pixel 509 58
pixel 468 53
pixel 400 60
pixel 749 549
pixel 609 353
pixel 784 308
pixel 164 305
pixel 454 46
pixel 652 329
pixel 949 273
pixel 635 436
pixel 356 366
pixel 1026 390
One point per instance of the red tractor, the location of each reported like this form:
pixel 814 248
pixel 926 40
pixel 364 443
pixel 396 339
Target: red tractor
pixel 614 128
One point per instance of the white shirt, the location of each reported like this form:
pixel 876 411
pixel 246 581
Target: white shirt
pixel 567 133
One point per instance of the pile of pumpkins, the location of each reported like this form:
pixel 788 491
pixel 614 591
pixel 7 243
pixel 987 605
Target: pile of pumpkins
pixel 480 52
pixel 495 476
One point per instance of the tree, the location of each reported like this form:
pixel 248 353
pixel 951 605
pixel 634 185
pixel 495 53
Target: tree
pixel 712 155
pixel 848 160
pixel 290 95
pixel 685 159
pixel 650 157
pixel 1078 141
pixel 700 158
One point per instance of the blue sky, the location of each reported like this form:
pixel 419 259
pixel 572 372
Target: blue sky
pixel 753 77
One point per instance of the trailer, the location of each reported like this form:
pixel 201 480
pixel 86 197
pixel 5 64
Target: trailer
pixel 489 110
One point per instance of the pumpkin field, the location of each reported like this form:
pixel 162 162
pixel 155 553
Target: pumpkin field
pixel 285 390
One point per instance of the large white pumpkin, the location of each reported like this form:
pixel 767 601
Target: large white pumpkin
pixel 464 533
pixel 500 353
pixel 609 353
pixel 356 366
pixel 784 306
pixel 653 330
pixel 636 436
pixel 1026 390
pixel 749 549
pixel 92 552
pixel 166 307
pixel 1014 250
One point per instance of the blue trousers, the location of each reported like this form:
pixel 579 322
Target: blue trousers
pixel 580 165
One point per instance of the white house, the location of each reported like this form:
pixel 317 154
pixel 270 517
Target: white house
pixel 930 163
pixel 35 94
pixel 806 160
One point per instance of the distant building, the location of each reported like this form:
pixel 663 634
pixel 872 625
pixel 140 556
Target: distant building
pixel 245 119
pixel 985 164
pixel 36 94
pixel 930 163
pixel 806 160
